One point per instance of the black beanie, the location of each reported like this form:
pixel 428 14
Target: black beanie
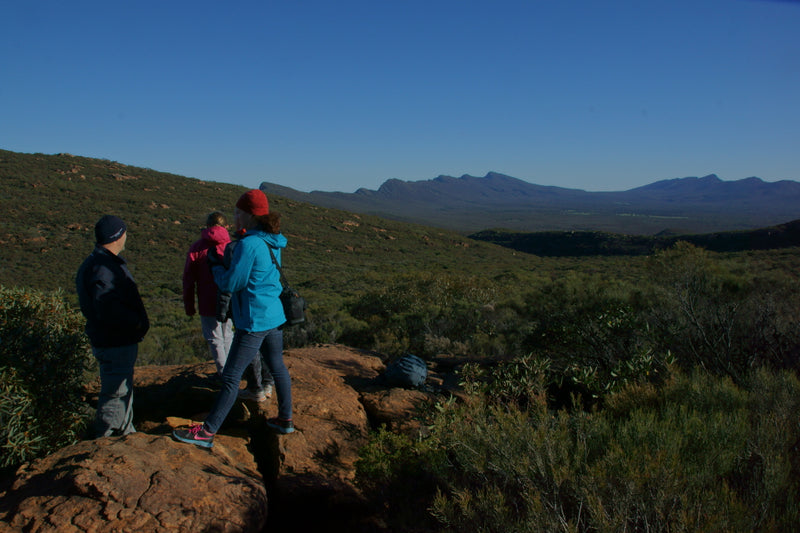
pixel 109 229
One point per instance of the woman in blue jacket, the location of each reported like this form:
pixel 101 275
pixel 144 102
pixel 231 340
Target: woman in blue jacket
pixel 254 281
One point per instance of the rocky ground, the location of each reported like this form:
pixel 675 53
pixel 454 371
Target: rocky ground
pixel 251 480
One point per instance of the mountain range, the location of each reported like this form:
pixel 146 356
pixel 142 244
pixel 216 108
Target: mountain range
pixel 469 204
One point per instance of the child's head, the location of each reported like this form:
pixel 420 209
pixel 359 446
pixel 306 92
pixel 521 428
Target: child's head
pixel 216 219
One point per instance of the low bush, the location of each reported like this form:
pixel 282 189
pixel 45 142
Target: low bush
pixel 421 313
pixel 525 379
pixel 401 476
pixel 44 356
pixel 722 318
pixel 695 453
pixel 16 419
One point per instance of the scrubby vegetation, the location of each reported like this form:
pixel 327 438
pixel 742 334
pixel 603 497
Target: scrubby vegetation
pixel 44 358
pixel 667 405
pixel 718 312
pixel 693 454
pixel 655 392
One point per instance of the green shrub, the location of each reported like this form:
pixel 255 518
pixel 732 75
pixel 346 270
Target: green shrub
pixel 326 320
pixel 421 313
pixel 525 379
pixel 16 420
pixel 586 318
pixel 663 465
pixel 724 321
pixel 45 356
pixel 695 453
pixel 402 475
pixel 521 381
pixel 511 469
pixel 768 474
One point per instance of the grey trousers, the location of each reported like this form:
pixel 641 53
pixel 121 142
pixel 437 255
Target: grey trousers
pixel 115 403
pixel 219 336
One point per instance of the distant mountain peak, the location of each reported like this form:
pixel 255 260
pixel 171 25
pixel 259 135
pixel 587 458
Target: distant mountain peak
pixel 497 175
pixel 470 203
pixel 465 177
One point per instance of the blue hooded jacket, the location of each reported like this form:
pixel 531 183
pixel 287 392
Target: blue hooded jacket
pixel 254 281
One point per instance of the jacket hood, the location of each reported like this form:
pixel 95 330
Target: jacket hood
pixel 276 240
pixel 216 235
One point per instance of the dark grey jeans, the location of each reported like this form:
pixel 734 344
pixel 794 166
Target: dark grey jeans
pixel 115 403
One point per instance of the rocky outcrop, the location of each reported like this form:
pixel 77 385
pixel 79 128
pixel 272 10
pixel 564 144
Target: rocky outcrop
pixel 139 482
pixel 251 480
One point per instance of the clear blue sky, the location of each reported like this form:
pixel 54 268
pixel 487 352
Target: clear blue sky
pixel 337 95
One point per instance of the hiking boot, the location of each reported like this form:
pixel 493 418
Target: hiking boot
pixel 195 434
pixel 280 425
pixel 255 395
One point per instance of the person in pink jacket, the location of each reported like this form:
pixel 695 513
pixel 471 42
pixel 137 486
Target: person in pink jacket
pixel 198 281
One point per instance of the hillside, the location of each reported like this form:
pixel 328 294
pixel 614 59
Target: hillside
pixel 470 204
pixel 356 271
pixel 51 203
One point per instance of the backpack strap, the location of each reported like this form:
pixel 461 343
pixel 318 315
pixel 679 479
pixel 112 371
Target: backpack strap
pixel 284 283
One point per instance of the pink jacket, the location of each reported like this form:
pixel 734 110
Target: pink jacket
pixel 197 275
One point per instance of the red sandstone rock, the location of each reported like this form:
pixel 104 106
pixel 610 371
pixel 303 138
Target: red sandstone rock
pixel 148 482
pixel 138 483
pixel 397 409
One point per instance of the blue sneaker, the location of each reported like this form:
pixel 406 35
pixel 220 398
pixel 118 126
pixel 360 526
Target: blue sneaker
pixel 280 425
pixel 195 434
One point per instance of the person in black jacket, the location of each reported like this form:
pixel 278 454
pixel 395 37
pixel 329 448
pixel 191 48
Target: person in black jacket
pixel 116 321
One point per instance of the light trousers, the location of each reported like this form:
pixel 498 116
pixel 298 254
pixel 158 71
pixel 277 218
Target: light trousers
pixel 219 336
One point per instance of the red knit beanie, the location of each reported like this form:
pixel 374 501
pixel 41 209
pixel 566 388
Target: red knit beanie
pixel 254 202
